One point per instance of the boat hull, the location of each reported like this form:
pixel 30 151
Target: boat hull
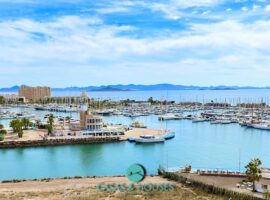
pixel 148 141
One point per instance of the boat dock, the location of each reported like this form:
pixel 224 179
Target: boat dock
pixel 137 132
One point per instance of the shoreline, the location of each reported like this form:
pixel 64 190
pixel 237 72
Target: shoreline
pixel 59 178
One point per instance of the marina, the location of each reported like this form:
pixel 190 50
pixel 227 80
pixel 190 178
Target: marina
pixel 135 100
pixel 206 136
pixel 193 144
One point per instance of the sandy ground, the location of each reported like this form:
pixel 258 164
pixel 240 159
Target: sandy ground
pixel 85 189
pixel 39 134
pixel 65 184
pixel 137 132
pixel 27 135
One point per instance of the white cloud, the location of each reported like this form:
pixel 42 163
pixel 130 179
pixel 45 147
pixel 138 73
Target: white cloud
pixel 244 8
pixel 170 11
pixel 85 47
pixel 195 3
pixel 206 12
pixel 112 10
pixel 255 7
pixel 267 8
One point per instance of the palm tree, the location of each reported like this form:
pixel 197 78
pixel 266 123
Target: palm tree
pixel 2 132
pixel 17 125
pixel 12 124
pixel 19 129
pixel 38 123
pixel 50 124
pixel 25 122
pixel 254 172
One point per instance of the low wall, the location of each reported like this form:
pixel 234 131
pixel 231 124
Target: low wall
pixel 207 187
pixel 57 142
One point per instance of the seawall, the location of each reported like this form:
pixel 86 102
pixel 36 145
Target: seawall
pixel 57 142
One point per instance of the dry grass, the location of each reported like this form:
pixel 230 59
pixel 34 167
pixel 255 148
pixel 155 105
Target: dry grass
pixel 181 192
pixel 85 189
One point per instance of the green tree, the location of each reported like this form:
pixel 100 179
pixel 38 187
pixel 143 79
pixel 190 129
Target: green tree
pixel 19 128
pixel 254 172
pixel 2 132
pixel 68 119
pixel 38 123
pixel 17 125
pixel 25 123
pixel 12 124
pixel 267 195
pixel 151 100
pixel 2 100
pixel 50 124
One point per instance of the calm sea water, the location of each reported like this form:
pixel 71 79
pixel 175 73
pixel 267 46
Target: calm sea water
pixel 200 144
pixel 231 96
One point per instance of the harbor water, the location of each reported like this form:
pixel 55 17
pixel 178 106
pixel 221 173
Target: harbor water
pixel 229 96
pixel 202 145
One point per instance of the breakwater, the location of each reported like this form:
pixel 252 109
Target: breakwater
pixel 57 142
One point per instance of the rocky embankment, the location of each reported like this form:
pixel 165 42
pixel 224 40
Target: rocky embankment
pixel 57 142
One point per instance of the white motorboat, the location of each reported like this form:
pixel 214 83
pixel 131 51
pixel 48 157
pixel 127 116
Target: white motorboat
pixel 169 116
pixel 198 119
pixel 149 139
pixel 261 126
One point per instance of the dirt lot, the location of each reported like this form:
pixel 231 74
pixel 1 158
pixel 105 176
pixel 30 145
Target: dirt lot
pixel 27 135
pixel 85 189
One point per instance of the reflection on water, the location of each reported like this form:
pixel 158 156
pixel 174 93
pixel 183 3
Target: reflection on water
pixel 88 154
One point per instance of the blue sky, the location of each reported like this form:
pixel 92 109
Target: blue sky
pixel 197 42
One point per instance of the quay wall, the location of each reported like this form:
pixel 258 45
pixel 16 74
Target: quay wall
pixel 212 189
pixel 57 142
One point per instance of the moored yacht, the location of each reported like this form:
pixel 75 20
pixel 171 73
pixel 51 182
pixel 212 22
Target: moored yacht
pixel 169 116
pixel 198 119
pixel 149 139
pixel 168 135
pixel 262 126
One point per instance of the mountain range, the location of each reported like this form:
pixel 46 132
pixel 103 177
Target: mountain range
pixel 133 87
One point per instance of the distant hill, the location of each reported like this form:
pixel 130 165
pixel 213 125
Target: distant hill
pixel 133 87
pixel 109 88
pixel 11 89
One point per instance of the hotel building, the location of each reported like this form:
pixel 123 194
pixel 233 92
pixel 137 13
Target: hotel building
pixel 34 93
